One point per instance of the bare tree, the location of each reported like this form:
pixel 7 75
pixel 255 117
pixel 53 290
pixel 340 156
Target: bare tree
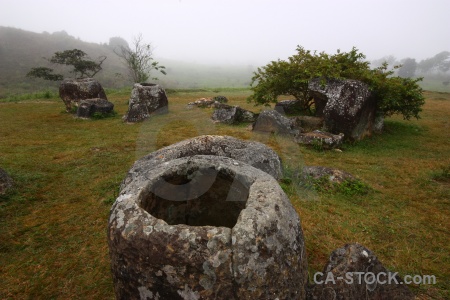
pixel 139 60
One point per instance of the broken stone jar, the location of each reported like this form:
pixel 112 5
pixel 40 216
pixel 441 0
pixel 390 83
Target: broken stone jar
pixel 206 227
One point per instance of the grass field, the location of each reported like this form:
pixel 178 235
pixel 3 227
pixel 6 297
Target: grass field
pixel 67 172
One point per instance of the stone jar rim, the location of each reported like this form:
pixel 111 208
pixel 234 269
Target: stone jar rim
pixel 243 173
pixel 262 254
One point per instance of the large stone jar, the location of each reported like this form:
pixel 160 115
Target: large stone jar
pixel 253 153
pixel 205 227
pixel 73 91
pixel 347 106
pixel 146 99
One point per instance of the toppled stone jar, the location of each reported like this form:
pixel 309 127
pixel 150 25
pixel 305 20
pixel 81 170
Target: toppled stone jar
pixel 206 227
pixel 73 91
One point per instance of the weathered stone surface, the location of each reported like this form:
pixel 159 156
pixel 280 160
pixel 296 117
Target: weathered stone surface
pixel 309 123
pixel 233 234
pixel 356 258
pixel 288 107
pixel 202 102
pixel 220 99
pixel 378 125
pixel 323 139
pixel 87 108
pixel 253 153
pixel 73 91
pixel 232 115
pixel 6 182
pixel 346 106
pixel 146 99
pixel 273 122
pixel 209 102
pixel 333 175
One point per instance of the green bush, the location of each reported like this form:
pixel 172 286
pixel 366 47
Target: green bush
pixel 394 95
pixel 352 187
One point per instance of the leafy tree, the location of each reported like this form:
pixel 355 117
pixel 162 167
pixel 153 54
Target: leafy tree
pixel 395 95
pixel 44 73
pixel 82 65
pixel 139 60
pixel 407 68
pixel 390 59
pixel 291 77
pixel 439 62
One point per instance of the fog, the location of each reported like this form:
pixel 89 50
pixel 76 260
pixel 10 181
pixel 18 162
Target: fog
pixel 245 32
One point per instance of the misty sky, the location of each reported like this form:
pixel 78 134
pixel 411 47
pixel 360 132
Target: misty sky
pixel 246 31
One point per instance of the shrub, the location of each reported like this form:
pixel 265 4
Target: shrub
pixel 394 95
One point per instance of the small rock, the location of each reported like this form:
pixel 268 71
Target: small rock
pixel 209 102
pixel 309 123
pixel 318 138
pixel 334 175
pixel 273 122
pixel 349 260
pixel 203 102
pixel 232 114
pixel 220 99
pixel 87 108
pixel 6 182
pixel 288 107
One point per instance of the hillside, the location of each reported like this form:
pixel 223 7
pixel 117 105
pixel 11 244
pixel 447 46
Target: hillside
pixel 21 50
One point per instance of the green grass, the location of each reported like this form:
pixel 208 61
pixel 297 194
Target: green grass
pixel 67 172
pixel 435 83
pixel 443 174
pixel 49 94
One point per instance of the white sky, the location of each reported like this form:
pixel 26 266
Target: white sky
pixel 246 31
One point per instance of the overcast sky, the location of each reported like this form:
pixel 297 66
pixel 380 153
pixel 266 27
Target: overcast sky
pixel 246 31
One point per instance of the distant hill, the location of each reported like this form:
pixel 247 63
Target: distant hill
pixel 22 50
